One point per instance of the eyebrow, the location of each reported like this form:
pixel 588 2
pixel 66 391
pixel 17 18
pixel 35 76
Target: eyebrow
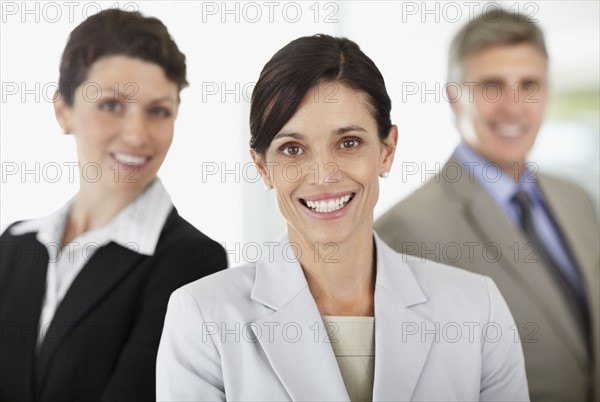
pixel 123 95
pixel 339 131
pixel 503 80
pixel 165 98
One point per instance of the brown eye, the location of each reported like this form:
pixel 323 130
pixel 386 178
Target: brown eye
pixel 491 84
pixel 530 85
pixel 160 112
pixel 350 143
pixel 110 106
pixel 292 150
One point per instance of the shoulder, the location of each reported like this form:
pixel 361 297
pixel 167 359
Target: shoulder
pixel 232 286
pixel 556 183
pixel 421 279
pixel 442 278
pixel 414 215
pixel 178 236
pixel 177 228
pixel 569 196
pixel 549 179
pixel 427 198
pixel 454 292
pixel 17 249
pixel 10 238
pixel 7 234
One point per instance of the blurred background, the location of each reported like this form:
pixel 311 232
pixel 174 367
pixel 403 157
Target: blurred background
pixel 208 171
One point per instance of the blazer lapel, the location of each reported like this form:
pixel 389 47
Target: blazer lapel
pixel 399 358
pixel 105 269
pixel 583 246
pixel 299 351
pixel 306 364
pixel 491 226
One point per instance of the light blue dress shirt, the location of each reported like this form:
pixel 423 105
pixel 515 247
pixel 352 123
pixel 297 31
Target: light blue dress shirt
pixel 501 186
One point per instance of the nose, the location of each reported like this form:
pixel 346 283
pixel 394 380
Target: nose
pixel 513 100
pixel 324 169
pixel 135 130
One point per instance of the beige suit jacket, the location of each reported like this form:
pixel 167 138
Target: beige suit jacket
pixel 452 219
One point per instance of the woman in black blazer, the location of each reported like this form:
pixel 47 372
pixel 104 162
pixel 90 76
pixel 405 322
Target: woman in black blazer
pixel 84 291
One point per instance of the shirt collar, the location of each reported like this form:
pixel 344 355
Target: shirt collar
pixel 49 228
pixel 497 183
pixel 137 226
pixel 279 277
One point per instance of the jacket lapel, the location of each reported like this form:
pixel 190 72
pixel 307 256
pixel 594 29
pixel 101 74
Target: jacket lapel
pixel 306 364
pixel 105 269
pixel 299 351
pixel 399 358
pixel 491 225
pixel 583 246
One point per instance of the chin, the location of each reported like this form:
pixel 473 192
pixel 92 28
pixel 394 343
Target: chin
pixel 131 185
pixel 327 233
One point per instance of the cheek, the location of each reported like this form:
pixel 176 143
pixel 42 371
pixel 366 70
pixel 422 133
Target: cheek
pixel 537 110
pixel 364 170
pixel 162 135
pixel 90 120
pixel 283 195
pixel 285 179
pixel 93 130
pixel 483 109
pixel 165 141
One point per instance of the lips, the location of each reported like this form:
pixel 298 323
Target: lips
pixel 512 130
pixel 327 203
pixel 130 159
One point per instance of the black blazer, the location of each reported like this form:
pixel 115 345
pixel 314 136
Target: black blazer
pixel 103 342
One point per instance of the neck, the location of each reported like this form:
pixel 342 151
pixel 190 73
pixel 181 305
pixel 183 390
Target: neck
pixel 340 276
pixel 93 208
pixel 514 169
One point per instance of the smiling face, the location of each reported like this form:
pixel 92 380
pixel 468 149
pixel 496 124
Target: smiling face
pixel 502 120
pixel 324 165
pixel 122 118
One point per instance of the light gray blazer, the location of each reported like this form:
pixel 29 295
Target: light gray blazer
pixel 254 333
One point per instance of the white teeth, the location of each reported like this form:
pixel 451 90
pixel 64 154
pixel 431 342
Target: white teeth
pixel 126 158
pixel 328 205
pixel 509 130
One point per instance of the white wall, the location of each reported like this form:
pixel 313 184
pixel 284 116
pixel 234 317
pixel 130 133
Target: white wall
pixel 212 128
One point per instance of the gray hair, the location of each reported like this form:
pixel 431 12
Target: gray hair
pixel 483 32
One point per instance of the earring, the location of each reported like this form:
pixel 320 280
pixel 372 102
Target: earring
pixel 385 174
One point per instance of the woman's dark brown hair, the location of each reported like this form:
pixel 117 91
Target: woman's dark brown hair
pixel 117 32
pixel 301 65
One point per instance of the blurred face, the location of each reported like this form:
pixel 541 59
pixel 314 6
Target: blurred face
pixel 325 163
pixel 502 120
pixel 122 118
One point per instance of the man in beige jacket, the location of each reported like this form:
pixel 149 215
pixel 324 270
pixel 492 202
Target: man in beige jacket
pixel 488 211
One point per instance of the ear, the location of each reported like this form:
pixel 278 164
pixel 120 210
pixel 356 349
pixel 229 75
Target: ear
pixel 389 149
pixel 63 113
pixel 262 167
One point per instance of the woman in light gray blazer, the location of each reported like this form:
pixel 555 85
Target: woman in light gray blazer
pixel 331 312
